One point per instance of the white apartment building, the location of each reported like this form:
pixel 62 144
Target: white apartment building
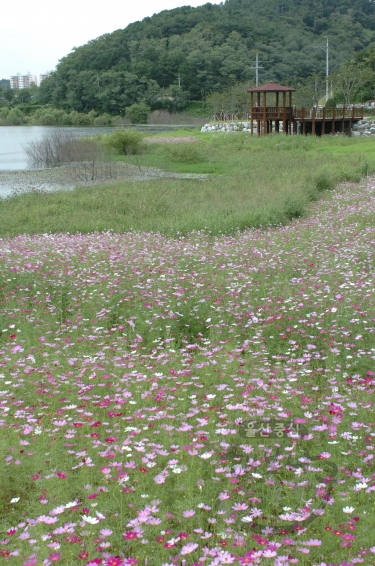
pixel 23 81
pixel 42 77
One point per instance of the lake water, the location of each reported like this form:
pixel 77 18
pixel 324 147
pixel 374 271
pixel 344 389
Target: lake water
pixel 14 166
pixel 14 138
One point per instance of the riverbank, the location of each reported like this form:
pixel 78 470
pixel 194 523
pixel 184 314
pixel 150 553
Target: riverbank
pixel 66 177
pixel 218 184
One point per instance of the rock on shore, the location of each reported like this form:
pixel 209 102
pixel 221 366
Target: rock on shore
pixel 364 127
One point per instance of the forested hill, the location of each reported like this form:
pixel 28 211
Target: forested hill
pixel 210 48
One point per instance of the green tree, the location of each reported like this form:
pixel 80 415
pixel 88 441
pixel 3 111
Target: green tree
pixel 138 113
pixel 351 78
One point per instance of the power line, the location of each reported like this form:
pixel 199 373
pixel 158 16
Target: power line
pixel 326 49
pixel 257 67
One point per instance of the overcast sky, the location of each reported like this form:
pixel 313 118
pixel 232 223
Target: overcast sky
pixel 35 34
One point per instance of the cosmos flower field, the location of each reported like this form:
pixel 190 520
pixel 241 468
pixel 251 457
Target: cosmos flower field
pixel 196 401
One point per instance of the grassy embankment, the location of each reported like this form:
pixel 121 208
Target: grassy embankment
pixel 251 183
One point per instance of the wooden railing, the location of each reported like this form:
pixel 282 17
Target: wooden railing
pixel 277 113
pixel 230 116
pixel 272 113
pixel 329 113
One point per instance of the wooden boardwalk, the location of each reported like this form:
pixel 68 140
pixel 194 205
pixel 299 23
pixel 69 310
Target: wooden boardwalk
pixel 292 120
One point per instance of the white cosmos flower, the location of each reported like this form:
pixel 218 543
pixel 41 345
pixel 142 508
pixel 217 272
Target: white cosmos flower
pixel 360 486
pixel 91 520
pixel 15 499
pixel 70 504
pixel 348 510
pixel 206 455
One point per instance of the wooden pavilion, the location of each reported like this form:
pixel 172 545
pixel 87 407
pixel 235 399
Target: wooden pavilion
pixel 294 120
pixel 265 115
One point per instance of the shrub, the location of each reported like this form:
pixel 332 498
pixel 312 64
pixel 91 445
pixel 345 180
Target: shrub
pixel 330 103
pixel 4 113
pixel 124 141
pixel 138 113
pixel 324 182
pixel 185 153
pixel 87 160
pixel 15 117
pixel 80 119
pixel 103 120
pixel 293 207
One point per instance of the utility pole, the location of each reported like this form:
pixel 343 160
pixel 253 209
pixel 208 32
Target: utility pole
pixel 326 49
pixel 257 67
pixel 179 81
pixel 98 81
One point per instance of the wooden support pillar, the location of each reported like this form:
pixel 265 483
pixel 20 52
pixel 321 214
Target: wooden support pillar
pixel 284 113
pixel 251 113
pixel 351 121
pixel 277 114
pixel 264 113
pixel 313 122
pixel 324 121
pixel 303 121
pixel 290 119
pixel 333 120
pixel 343 119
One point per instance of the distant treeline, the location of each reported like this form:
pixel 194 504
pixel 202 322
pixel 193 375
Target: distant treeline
pixel 207 55
pixel 194 52
pixel 48 116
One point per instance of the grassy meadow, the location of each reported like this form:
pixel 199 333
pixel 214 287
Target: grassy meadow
pixel 178 390
pixel 249 183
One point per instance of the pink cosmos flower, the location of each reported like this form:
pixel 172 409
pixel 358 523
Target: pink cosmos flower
pixel 240 507
pixel 188 548
pixel 129 535
pixel 324 455
pixel 106 532
pixel 313 542
pixel 189 513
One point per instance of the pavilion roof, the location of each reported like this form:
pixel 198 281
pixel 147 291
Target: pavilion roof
pixel 271 87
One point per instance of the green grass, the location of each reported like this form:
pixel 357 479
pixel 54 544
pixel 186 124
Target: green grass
pixel 252 182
